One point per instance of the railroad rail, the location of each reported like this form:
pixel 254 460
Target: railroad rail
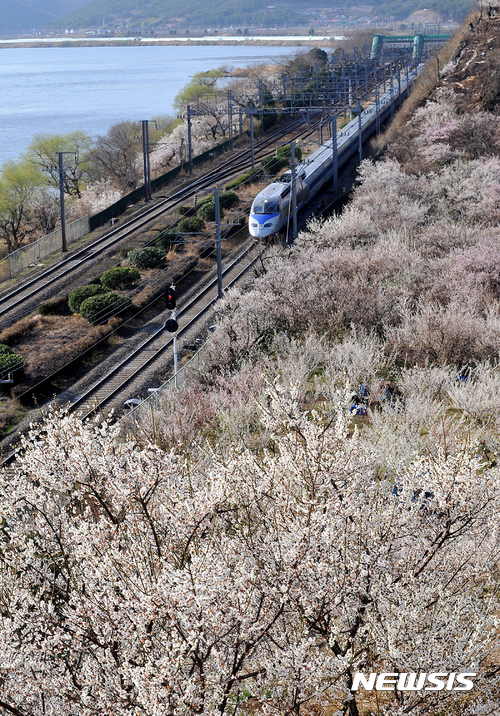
pixel 144 355
pixel 22 294
pixel 154 347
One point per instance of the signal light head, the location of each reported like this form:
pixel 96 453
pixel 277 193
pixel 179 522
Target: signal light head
pixel 170 297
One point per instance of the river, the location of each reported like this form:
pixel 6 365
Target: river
pixel 62 89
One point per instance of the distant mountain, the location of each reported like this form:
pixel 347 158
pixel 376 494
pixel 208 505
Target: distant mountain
pixel 24 15
pixel 147 16
pixel 401 9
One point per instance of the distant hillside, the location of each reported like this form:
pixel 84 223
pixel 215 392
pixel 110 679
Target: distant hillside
pixel 401 9
pixel 149 14
pixel 22 15
pixel 143 16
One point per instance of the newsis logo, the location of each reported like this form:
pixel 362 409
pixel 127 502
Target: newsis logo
pixel 414 682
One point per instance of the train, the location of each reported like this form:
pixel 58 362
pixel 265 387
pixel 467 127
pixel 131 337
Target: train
pixel 272 207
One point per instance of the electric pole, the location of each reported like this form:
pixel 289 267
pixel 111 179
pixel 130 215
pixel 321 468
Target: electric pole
pixel 145 155
pixel 218 243
pixel 335 157
pixel 189 114
pixel 60 155
pixel 360 144
pixel 294 192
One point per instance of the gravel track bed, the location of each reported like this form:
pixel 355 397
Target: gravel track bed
pixel 121 351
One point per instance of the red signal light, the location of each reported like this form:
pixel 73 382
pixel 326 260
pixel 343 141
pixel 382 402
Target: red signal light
pixel 170 297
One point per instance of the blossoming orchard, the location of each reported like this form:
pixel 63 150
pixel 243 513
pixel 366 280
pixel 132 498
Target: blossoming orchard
pixel 266 540
pixel 236 581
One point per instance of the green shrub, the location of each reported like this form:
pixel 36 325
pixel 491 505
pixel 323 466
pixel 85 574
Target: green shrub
pixel 5 350
pixel 192 225
pixel 252 174
pixel 120 277
pixel 272 165
pixel 98 309
pixel 56 307
pixel 11 363
pixel 228 199
pixel 207 210
pixel 186 210
pixel 285 151
pixel 146 258
pixel 169 240
pixel 80 294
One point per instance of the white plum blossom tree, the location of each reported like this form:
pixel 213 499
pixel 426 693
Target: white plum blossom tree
pixel 238 580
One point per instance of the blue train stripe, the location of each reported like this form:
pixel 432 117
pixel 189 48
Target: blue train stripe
pixel 262 218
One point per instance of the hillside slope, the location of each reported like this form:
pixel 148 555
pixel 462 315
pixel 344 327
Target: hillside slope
pixel 320 500
pixel 156 14
pixel 402 290
pixel 22 15
pixel 474 73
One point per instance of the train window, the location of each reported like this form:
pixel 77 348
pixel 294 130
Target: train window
pixel 268 206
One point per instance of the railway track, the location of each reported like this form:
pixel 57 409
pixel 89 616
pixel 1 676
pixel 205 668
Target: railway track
pixel 151 351
pixel 25 298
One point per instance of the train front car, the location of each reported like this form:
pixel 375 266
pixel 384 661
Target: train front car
pixel 265 214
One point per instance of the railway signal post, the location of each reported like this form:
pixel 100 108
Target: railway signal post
pixel 172 326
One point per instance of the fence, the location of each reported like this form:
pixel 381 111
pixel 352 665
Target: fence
pixel 31 254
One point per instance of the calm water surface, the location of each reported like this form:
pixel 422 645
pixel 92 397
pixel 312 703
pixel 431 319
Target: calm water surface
pixel 61 89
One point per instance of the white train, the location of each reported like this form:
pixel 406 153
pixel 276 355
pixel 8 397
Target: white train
pixel 271 208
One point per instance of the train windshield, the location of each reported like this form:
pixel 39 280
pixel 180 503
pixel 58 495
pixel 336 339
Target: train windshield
pixel 265 206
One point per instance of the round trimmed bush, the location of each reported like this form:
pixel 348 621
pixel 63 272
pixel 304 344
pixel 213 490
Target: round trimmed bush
pixel 5 349
pixel 147 258
pixel 286 152
pixel 186 210
pixel 168 240
pixel 228 199
pixel 191 225
pixel 272 165
pixel 11 363
pixel 97 309
pixel 80 294
pixel 120 277
pixel 207 210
